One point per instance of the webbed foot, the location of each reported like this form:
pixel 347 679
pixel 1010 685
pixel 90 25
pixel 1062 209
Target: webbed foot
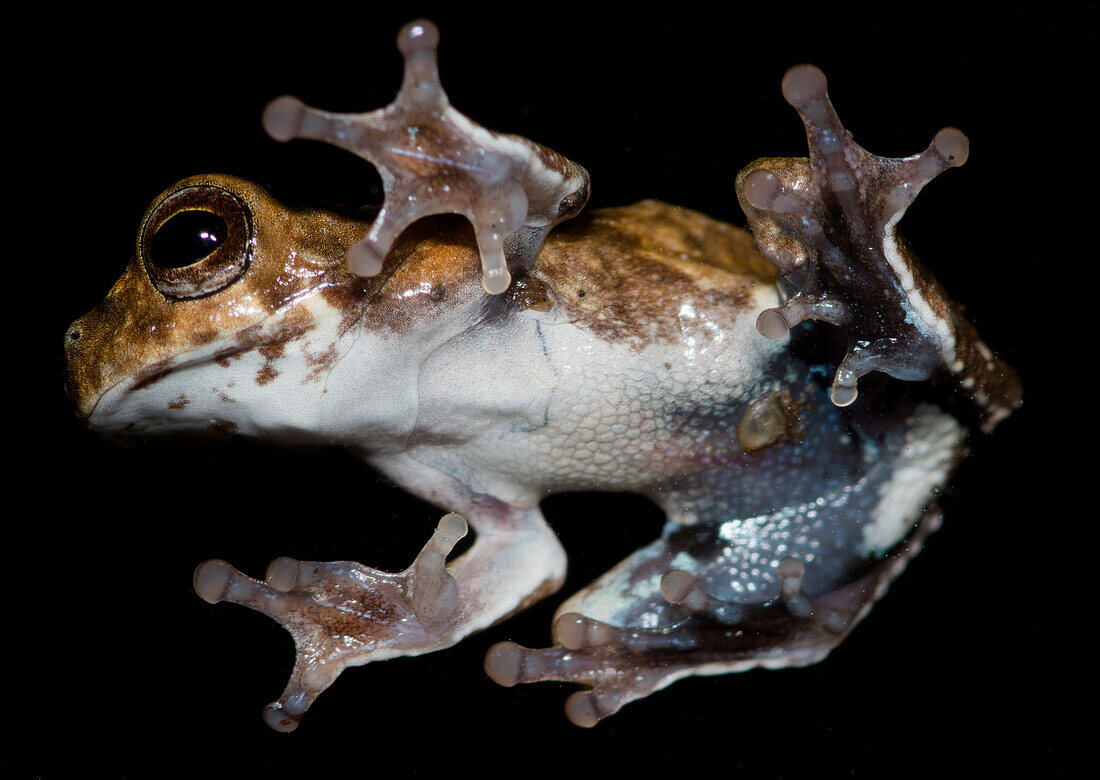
pixel 434 160
pixel 618 665
pixel 828 224
pixel 343 614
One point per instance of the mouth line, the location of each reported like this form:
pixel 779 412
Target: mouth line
pixel 159 374
pixel 156 374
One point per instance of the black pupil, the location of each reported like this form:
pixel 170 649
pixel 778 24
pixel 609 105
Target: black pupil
pixel 187 238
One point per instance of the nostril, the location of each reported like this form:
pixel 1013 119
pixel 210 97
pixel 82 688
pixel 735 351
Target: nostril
pixel 73 361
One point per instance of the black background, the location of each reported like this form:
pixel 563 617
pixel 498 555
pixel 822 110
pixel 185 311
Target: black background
pixel 118 668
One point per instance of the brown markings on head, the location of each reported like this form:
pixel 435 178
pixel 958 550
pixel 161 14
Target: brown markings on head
pixel 624 273
pixel 270 352
pixel 147 377
pixel 139 333
pixel 178 402
pixel 320 363
pixel 265 374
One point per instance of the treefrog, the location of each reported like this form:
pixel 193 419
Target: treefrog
pixel 793 398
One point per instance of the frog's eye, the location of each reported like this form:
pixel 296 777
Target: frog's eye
pixel 572 204
pixel 196 241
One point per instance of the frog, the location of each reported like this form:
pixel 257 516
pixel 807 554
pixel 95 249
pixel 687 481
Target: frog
pixel 793 397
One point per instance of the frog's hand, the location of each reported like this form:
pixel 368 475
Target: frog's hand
pixel 828 223
pixel 343 614
pixel 620 664
pixel 435 160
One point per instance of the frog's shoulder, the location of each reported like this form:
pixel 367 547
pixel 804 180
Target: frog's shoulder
pixel 629 271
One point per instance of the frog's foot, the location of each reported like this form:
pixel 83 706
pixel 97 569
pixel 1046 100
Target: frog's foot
pixel 344 614
pixel 435 160
pixel 828 223
pixel 619 664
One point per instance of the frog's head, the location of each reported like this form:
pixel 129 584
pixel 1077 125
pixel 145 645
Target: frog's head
pixel 239 314
pixel 236 311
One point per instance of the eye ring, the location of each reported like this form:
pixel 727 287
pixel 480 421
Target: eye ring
pixel 572 204
pixel 223 261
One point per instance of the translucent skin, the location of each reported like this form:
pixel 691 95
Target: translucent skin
pixel 435 160
pixel 795 208
pixel 625 357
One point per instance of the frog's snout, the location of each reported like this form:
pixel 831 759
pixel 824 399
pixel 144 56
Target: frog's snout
pixel 95 359
pixel 72 335
pixel 78 388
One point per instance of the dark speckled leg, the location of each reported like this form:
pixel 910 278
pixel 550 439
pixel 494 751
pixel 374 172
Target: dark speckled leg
pixel 619 665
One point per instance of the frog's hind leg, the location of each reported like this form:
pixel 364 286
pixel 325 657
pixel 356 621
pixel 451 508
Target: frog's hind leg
pixel 678 630
pixel 828 223
pixel 769 558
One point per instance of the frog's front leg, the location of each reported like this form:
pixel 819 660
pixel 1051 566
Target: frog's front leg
pixel 343 614
pixel 435 160
pixel 828 223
